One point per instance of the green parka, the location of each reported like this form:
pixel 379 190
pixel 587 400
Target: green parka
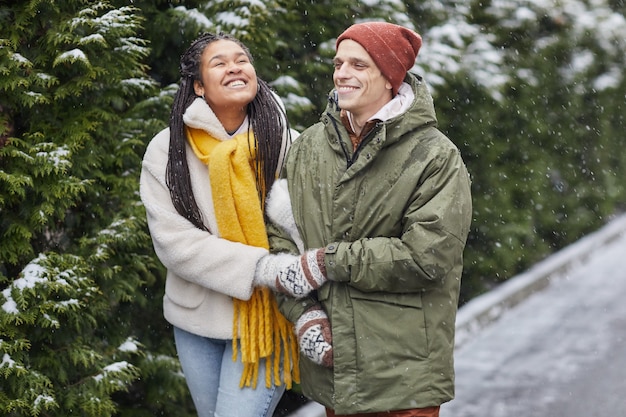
pixel 394 217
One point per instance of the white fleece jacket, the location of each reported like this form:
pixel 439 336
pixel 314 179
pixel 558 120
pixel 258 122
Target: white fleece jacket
pixel 204 271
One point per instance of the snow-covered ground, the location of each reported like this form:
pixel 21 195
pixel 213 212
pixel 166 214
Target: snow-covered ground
pixel 549 342
pixel 562 351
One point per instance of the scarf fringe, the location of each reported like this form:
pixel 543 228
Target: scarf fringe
pixel 263 332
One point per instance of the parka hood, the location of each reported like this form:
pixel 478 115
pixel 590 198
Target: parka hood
pixel 420 113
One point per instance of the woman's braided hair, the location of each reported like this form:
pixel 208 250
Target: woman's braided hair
pixel 267 120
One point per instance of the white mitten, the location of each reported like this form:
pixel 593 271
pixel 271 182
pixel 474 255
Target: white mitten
pixel 268 268
pixel 315 336
pixel 278 209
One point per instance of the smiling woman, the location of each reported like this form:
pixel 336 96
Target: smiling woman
pixel 226 71
pixel 204 182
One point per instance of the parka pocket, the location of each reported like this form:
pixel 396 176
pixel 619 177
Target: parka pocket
pixel 389 328
pixel 184 293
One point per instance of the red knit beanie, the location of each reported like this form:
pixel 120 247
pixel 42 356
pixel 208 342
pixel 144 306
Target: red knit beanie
pixel 393 48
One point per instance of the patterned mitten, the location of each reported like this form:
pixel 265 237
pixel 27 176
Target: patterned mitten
pixel 315 336
pixel 278 210
pixel 304 275
pixel 268 268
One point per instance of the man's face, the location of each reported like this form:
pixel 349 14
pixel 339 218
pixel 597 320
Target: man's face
pixel 361 87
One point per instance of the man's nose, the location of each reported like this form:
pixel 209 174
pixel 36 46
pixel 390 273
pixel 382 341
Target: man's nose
pixel 340 71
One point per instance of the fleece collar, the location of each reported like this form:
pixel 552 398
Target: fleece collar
pixel 398 105
pixel 199 115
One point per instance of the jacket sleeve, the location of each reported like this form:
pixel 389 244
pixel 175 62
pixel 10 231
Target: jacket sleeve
pixel 435 227
pixel 192 254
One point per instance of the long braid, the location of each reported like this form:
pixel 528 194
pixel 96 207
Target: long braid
pixel 269 124
pixel 177 173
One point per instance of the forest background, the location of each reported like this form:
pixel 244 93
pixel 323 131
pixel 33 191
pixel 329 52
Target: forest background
pixel 532 92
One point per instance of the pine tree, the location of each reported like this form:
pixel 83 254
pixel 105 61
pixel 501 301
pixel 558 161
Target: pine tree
pixel 78 274
pixel 532 97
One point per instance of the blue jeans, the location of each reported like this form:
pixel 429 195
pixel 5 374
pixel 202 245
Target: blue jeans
pixel 213 379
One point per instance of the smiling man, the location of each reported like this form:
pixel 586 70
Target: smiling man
pixel 381 202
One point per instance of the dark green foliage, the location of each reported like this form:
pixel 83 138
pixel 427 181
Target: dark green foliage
pixel 78 274
pixel 544 154
pixel 84 86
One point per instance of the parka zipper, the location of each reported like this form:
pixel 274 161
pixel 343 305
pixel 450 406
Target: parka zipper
pixel 343 145
pixel 366 139
pixel 350 159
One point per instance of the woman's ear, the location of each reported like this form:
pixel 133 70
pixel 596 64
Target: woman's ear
pixel 198 88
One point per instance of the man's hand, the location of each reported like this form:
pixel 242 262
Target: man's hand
pixel 315 336
pixel 306 274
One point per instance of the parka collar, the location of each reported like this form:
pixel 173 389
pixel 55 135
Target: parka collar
pixel 420 113
pixel 421 110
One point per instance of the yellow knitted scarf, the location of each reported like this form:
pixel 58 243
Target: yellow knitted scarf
pixel 263 331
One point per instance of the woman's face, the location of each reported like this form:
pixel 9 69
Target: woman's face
pixel 227 77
